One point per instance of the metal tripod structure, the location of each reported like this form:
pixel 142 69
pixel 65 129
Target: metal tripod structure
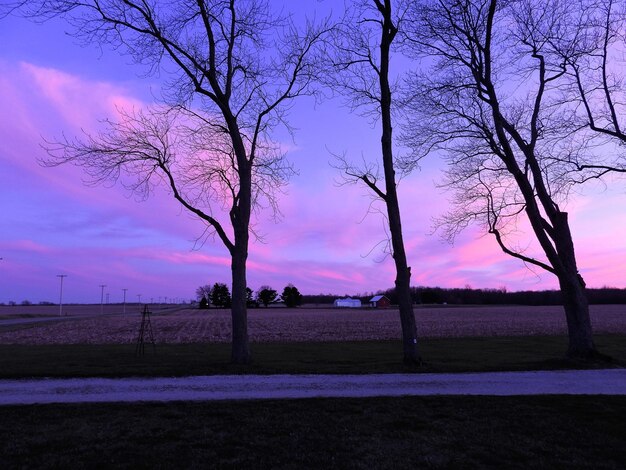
pixel 145 333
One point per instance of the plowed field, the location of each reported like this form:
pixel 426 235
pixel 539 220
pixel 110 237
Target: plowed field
pixel 86 325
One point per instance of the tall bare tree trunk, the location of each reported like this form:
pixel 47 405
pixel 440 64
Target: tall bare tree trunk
pixel 240 219
pixel 575 302
pixel 240 351
pixel 579 330
pixel 558 245
pixel 562 256
pixel 403 272
pixel 405 303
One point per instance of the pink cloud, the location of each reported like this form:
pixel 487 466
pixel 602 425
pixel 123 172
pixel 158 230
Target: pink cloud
pixel 25 245
pixel 327 274
pixel 53 223
pixel 81 103
pixel 193 258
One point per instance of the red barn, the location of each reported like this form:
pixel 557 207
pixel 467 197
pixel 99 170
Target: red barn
pixel 380 301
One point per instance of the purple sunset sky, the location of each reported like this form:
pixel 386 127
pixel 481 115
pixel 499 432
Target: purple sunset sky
pixel 54 224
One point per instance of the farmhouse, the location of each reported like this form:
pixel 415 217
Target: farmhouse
pixel 347 303
pixel 380 301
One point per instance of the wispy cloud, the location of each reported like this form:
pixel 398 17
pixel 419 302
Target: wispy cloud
pixel 52 223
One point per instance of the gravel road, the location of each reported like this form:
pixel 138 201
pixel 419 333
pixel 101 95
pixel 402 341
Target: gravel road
pixel 247 387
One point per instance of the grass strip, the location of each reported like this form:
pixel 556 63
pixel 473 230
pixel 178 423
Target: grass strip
pixel 408 432
pixel 440 355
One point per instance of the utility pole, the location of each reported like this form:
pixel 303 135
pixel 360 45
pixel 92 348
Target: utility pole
pixel 139 298
pixel 102 286
pixel 124 300
pixel 61 276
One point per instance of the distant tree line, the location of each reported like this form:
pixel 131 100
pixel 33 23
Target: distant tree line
pixel 469 296
pixel 219 296
pixel 324 298
pixel 26 303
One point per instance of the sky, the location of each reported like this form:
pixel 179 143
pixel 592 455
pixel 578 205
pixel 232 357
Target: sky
pixel 52 223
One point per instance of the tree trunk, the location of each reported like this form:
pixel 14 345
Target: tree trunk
pixel 572 286
pixel 240 352
pixel 403 272
pixel 240 220
pixel 581 345
pixel 575 300
pixel 407 317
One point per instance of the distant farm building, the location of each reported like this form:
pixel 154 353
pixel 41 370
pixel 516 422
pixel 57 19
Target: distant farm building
pixel 380 301
pixel 347 303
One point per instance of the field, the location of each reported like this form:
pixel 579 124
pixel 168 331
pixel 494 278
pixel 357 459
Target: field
pixel 406 432
pixel 85 324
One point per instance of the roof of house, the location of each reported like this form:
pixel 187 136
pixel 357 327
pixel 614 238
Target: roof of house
pixel 376 298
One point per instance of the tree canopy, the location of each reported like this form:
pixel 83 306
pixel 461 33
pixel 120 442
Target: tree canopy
pixel 220 295
pixel 291 296
pixel 266 295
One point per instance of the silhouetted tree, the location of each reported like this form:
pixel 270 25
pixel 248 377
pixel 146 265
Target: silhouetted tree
pixel 291 296
pixel 220 296
pixel 235 67
pixel 203 304
pixel 266 295
pixel 488 102
pixel 203 292
pixel 362 58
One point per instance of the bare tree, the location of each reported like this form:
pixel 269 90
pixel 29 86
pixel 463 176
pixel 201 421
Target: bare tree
pixel 490 102
pixel 592 46
pixel 362 59
pixel 203 292
pixel 233 67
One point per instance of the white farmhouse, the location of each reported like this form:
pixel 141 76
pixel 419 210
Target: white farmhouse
pixel 347 303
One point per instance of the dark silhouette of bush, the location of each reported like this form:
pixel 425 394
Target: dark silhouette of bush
pixel 266 295
pixel 291 296
pixel 220 295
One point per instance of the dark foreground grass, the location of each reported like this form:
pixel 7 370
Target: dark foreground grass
pixel 440 355
pixel 401 433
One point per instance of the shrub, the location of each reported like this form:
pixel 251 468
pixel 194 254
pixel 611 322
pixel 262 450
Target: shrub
pixel 291 296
